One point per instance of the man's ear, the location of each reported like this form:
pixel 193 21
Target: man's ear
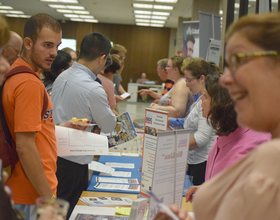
pixel 28 43
pixel 101 58
pixel 202 78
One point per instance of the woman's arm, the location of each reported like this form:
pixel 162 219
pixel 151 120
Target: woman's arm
pixel 179 100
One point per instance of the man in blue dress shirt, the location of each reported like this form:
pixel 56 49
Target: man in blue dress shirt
pixel 76 93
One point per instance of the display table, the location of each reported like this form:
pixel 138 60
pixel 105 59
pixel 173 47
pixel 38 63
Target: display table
pixel 134 87
pixel 188 206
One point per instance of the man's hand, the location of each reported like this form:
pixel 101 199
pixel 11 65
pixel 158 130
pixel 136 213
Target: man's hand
pixel 69 124
pixel 118 98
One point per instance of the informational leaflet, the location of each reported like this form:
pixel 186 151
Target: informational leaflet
pixel 117 173
pixel 73 142
pixel 169 169
pixel 124 131
pixel 155 121
pixel 116 180
pixel 107 201
pixel 135 188
pixel 120 165
pixel 99 167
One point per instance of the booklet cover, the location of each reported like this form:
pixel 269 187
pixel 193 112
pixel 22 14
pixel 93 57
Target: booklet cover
pixel 123 132
pixel 100 217
pixel 107 201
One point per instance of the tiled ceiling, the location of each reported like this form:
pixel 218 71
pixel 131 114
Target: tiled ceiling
pixel 103 11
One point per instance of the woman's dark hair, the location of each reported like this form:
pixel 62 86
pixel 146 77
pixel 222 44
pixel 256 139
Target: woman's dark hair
pixel 61 62
pixel 223 116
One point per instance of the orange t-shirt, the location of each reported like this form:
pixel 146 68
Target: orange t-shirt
pixel 23 98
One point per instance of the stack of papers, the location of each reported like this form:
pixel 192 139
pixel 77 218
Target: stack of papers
pixel 99 167
pixel 107 201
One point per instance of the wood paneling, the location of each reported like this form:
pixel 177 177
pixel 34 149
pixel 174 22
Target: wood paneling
pixel 145 45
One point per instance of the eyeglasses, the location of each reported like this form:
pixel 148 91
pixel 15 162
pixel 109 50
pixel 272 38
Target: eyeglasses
pixel 189 80
pixel 122 58
pixel 237 58
pixel 168 66
pixel 17 51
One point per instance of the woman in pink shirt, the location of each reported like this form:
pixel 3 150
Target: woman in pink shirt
pixel 233 141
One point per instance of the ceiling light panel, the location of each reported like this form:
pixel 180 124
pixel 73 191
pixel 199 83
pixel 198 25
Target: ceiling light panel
pixel 142 12
pixel 81 12
pixel 163 7
pixel 61 1
pixel 91 20
pixel 86 16
pixel 161 13
pixel 157 25
pixel 75 7
pixel 16 12
pixel 65 11
pixel 12 15
pixel 142 20
pixel 142 6
pixel 57 6
pixel 160 17
pixel 6 7
pixel 167 1
pixel 143 24
pixel 157 22
pixel 71 16
pixel 142 16
pixel 4 11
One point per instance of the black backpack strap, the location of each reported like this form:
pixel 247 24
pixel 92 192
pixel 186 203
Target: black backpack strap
pixel 14 71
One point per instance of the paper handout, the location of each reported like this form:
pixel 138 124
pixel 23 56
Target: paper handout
pixel 72 142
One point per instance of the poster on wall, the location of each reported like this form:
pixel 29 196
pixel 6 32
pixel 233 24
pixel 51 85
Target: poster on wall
pixel 190 39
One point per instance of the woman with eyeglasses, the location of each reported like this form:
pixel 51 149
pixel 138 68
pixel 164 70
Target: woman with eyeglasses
pixel 233 142
pixel 202 133
pixel 250 189
pixel 178 99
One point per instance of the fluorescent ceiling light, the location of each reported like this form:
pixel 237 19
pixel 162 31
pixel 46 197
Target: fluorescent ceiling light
pixel 84 20
pixel 142 20
pixel 81 12
pixel 75 7
pixel 67 7
pixel 157 22
pixel 4 11
pixel 86 16
pixel 91 20
pixel 157 25
pixel 76 19
pixel 143 24
pixel 12 15
pixel 167 1
pixel 57 6
pixel 5 7
pixel 61 1
pixel 142 6
pixel 71 16
pixel 160 17
pixel 161 13
pixel 236 5
pixel 142 16
pixel 142 12
pixel 64 11
pixel 221 12
pixel 16 12
pixel 163 7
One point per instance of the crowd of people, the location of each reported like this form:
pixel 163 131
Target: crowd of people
pixel 229 115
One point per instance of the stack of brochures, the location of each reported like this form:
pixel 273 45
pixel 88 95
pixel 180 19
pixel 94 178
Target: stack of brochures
pixel 107 201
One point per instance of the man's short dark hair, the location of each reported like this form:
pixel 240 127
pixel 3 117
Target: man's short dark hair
pixel 34 25
pixel 187 38
pixel 93 46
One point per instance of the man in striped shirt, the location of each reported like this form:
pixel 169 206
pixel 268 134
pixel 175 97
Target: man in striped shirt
pixel 161 64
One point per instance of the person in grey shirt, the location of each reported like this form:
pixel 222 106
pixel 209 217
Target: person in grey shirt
pixel 76 93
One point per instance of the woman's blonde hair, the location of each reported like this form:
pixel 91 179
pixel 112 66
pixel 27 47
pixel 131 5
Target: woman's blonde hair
pixel 177 61
pixel 262 30
pixel 4 32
